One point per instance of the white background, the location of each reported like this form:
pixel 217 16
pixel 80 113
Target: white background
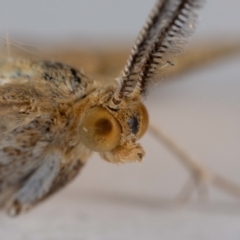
pixel 200 110
pixel 58 20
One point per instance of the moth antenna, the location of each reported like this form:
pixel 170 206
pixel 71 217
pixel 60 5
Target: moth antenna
pixel 24 47
pixel 163 36
pixel 8 46
pixel 129 75
pixel 168 43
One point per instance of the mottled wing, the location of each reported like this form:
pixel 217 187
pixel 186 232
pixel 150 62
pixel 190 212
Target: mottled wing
pixel 35 110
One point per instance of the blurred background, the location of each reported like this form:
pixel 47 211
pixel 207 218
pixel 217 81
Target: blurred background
pixel 200 110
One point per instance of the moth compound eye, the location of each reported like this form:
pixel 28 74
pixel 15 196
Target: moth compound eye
pixel 99 130
pixel 144 121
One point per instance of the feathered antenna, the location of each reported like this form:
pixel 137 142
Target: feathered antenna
pixel 163 36
pixel 139 50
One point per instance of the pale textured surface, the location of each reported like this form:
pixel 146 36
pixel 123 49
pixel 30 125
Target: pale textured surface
pixel 201 111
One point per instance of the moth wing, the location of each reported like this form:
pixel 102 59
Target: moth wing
pixel 23 134
pixel 49 177
pixel 29 94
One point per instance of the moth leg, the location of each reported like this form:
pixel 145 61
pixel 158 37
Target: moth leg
pixel 188 189
pixel 37 185
pixel 200 175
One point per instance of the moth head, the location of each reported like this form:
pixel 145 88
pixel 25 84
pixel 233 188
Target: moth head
pixel 114 133
pixel 113 128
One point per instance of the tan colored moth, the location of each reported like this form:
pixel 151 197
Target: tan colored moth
pixel 52 116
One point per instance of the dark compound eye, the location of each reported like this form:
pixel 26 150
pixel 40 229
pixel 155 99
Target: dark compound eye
pixel 134 125
pixel 143 116
pixel 139 123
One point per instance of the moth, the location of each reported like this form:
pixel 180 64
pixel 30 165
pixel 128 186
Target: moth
pixel 52 116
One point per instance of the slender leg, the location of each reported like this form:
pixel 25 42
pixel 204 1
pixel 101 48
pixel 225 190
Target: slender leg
pixel 185 194
pixel 200 175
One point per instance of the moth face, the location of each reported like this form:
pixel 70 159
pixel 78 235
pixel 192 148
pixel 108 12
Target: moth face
pixel 106 131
